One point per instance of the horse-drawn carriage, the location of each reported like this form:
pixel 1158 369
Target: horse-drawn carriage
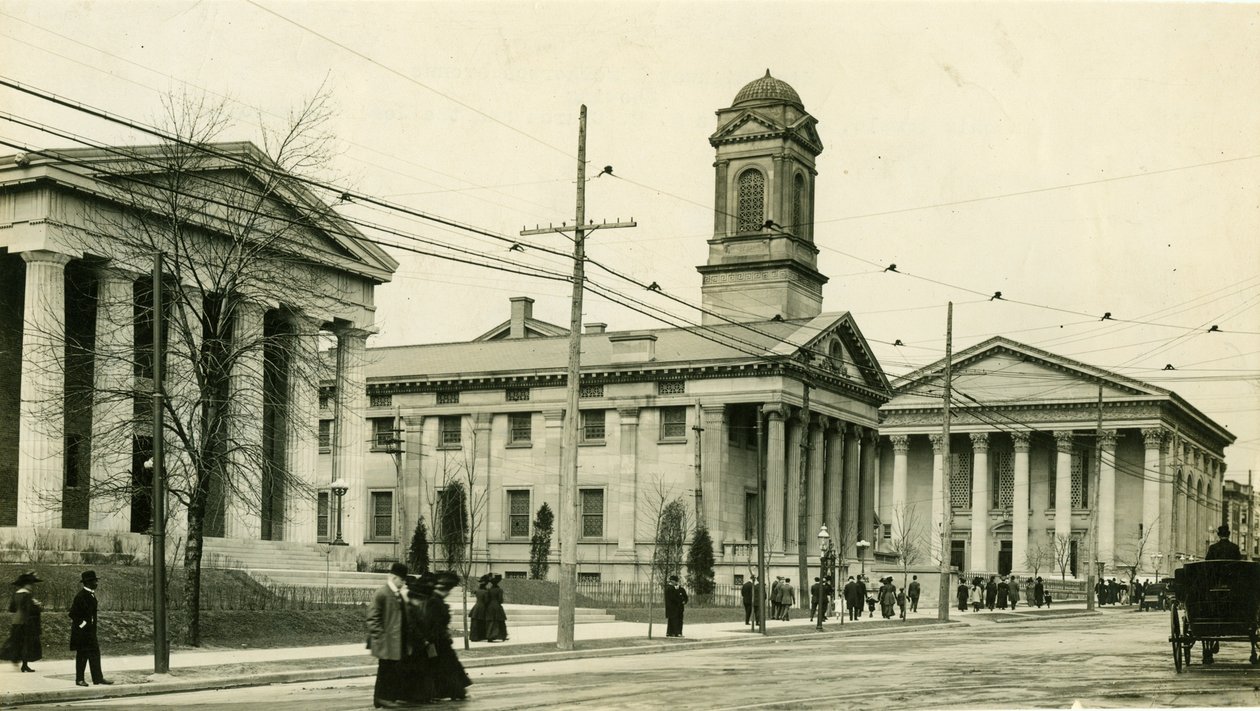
pixel 1215 601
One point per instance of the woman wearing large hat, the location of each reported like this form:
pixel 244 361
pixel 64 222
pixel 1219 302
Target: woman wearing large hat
pixel 23 645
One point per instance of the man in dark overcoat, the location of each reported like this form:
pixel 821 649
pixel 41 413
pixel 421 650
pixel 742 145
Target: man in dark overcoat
pixel 815 596
pixel 853 598
pixel 83 637
pixel 386 623
pixel 1223 549
pixel 746 597
pixel 675 603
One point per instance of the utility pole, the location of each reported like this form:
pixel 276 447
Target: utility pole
pixel 568 459
pixel 1251 517
pixel 699 497
pixel 947 514
pixel 759 588
pixel 161 650
pixel 802 505
pixel 1090 581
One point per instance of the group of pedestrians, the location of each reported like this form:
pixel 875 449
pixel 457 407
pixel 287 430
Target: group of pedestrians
pixel 1001 593
pixel 858 594
pixel 25 641
pixel 409 634
pixel 487 621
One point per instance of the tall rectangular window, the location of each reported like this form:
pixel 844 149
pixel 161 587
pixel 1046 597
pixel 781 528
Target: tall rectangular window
pixel 751 515
pixel 1080 478
pixel 592 425
pixel 960 480
pixel 325 434
pixel 518 513
pixel 382 514
pixel 321 516
pixel 520 428
pixel 674 423
pixel 382 432
pixel 1004 470
pixel 451 430
pixel 592 501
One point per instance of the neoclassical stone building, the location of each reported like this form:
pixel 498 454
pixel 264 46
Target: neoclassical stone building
pixel 1023 452
pixel 674 412
pixel 77 232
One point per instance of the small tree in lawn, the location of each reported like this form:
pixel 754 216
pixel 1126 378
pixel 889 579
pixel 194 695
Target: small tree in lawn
pixel 1130 557
pixel 463 507
pixel 907 541
pixel 1038 555
pixel 1063 555
pixel 540 543
pixel 418 553
pixel 700 564
pixel 667 515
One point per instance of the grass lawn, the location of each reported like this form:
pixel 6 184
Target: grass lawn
pixel 693 614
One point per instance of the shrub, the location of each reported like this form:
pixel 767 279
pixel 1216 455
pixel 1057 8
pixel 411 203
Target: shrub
pixel 540 543
pixel 418 553
pixel 700 563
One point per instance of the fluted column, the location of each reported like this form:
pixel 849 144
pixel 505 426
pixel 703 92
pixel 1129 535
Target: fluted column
pixel 113 400
pixel 485 482
pixel 980 504
pixel 775 477
pixel 1019 501
pixel 791 523
pixel 901 469
pixel 817 462
pixel 243 487
pixel 713 469
pixel 1153 441
pixel 866 511
pixel 302 431
pixel 41 438
pixel 938 509
pixel 852 489
pixel 1063 443
pixel 1107 499
pixel 627 479
pixel 350 430
pixel 835 476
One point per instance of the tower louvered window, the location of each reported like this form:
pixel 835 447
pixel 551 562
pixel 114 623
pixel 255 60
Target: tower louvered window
pixel 960 480
pixel 798 205
pixel 1004 493
pixel 752 201
pixel 1080 481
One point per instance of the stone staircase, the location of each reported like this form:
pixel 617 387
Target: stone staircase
pixel 305 558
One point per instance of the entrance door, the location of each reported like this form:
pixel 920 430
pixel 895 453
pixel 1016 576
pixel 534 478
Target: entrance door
pixel 1004 558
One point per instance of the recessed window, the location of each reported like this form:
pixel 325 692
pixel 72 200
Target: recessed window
pixel 671 387
pixel 592 502
pixel 518 513
pixel 515 575
pixel 516 395
pixel 448 397
pixel 674 423
pixel 451 430
pixel 520 428
pixel 380 400
pixel 591 391
pixel 592 426
pixel 383 434
pixel 751 201
pixel 325 402
pixel 798 205
pixel 589 578
pixel 325 434
pixel 321 516
pixel 752 513
pixel 382 514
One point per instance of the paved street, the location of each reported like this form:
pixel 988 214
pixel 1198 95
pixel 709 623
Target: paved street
pixel 1119 659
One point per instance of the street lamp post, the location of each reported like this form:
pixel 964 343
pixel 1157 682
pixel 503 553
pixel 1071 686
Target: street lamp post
pixel 861 546
pixel 1156 558
pixel 339 489
pixel 826 553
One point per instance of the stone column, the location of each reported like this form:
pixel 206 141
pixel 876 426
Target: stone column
pixel 113 403
pixel 791 523
pixel 626 496
pixel 41 433
pixel 1107 499
pixel 852 491
pixel 242 492
pixel 1153 441
pixel 1019 501
pixel 980 504
pixel 901 469
pixel 350 431
pixel 817 469
pixel 866 512
pixel 713 468
pixel 1063 443
pixel 302 432
pixel 938 506
pixel 835 476
pixel 484 483
pixel 775 477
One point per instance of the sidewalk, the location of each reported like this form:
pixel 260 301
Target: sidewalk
pixel 221 668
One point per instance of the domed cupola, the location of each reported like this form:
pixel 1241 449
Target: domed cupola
pixel 762 259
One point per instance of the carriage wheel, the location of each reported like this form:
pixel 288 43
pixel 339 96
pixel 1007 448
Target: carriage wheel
pixel 1175 639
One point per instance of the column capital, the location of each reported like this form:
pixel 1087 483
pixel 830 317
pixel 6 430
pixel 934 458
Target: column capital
pixel 979 441
pixel 822 422
pixel 938 443
pixel 482 421
pixel 1064 440
pixel 628 415
pixel 412 421
pixel 1109 439
pixel 774 410
pixel 900 443
pixel 44 256
pixel 869 435
pixel 1153 437
pixel 349 331
pixel 1022 441
pixel 553 418
pixel 713 411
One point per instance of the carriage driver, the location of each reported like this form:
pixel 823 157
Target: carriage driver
pixel 1223 549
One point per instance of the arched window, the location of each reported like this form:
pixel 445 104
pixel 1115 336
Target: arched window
pixel 752 201
pixel 798 206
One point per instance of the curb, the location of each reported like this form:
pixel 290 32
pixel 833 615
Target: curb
pixel 349 672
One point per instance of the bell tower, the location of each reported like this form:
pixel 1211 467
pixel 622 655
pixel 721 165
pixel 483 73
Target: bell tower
pixel 762 259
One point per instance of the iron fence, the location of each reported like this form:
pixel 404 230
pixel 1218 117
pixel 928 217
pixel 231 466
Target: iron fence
pixel 615 594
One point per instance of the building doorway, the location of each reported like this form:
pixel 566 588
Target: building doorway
pixel 1004 558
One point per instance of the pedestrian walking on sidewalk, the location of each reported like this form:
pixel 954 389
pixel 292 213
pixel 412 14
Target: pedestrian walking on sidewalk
pixel 853 598
pixel 496 618
pixel 1030 590
pixel 887 597
pixel 862 594
pixel 23 645
pixel 450 681
pixel 962 595
pixel 1039 592
pixel 83 637
pixel 746 597
pixel 1014 593
pixel 776 598
pixel 675 606
pixel 991 593
pixel 815 596
pixel 901 603
pixel 418 662
pixel 477 615
pixel 1003 593
pixel 977 594
pixel 787 599
pixel 913 593
pixel 386 623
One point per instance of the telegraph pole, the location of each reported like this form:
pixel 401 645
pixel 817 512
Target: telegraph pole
pixel 161 651
pixel 1090 581
pixel 947 513
pixel 759 589
pixel 568 459
pixel 802 506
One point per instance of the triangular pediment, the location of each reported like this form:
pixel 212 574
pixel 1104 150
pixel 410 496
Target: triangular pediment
pixel 747 124
pixel 1004 372
pixel 832 342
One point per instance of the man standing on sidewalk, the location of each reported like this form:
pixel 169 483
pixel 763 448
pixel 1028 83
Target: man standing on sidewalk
pixel 746 597
pixel 787 598
pixel 386 618
pixel 914 591
pixel 675 604
pixel 83 639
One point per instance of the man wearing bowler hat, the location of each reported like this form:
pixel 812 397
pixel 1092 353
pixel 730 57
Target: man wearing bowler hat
pixel 1224 549
pixel 83 640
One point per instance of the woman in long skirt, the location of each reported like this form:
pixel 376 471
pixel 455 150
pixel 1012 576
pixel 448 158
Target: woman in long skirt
pixel 477 615
pixel 1003 592
pixel 419 651
pixel 496 618
pixel 24 645
pixel 962 595
pixel 1039 592
pixel 450 681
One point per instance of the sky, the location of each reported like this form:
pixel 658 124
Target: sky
pixel 1080 158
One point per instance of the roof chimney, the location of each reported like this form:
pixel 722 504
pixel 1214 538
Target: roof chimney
pixel 596 327
pixel 522 310
pixel 633 347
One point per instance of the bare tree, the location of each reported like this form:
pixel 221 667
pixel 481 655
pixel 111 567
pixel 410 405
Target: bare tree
pixel 236 232
pixel 461 507
pixel 908 540
pixel 1062 553
pixel 666 512
pixel 1038 555
pixel 1130 557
